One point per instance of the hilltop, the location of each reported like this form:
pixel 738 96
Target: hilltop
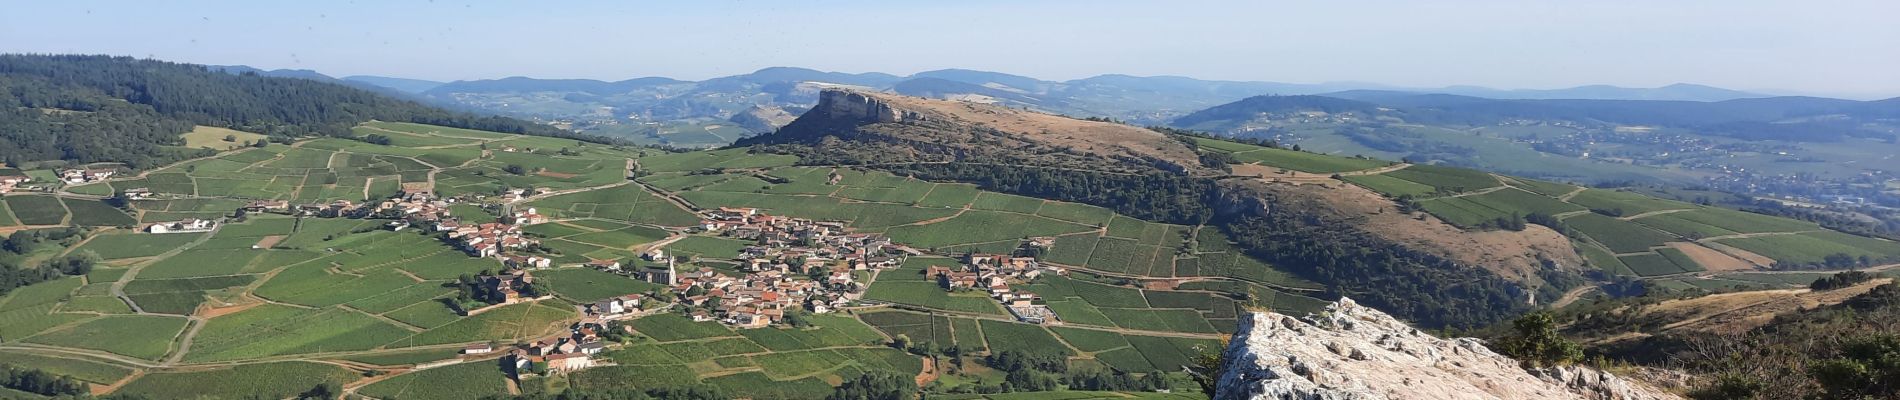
pixel 1175 179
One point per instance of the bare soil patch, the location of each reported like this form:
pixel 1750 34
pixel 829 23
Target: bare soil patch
pixel 1731 313
pixel 1743 255
pixel 1710 259
pixel 268 241
pixel 206 310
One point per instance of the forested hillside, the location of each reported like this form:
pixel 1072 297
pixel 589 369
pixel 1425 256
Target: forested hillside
pixel 99 108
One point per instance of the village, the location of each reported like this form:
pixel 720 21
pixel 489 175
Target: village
pixel 788 267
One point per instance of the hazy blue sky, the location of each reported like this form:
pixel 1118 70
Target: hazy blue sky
pixel 1831 47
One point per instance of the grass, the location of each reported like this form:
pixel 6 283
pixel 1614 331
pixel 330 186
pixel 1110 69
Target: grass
pixel 270 380
pixel 211 137
pixel 140 336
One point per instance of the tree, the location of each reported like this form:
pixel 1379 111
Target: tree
pixel 901 341
pixel 1868 368
pixel 876 385
pixel 515 169
pixel 230 138
pixel 1537 343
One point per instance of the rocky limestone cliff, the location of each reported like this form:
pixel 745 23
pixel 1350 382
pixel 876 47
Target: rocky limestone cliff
pixel 1355 352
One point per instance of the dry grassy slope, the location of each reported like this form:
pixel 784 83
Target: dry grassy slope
pixel 1512 255
pixel 909 129
pixel 1732 313
pixel 917 129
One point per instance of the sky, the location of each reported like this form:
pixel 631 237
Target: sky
pixel 1823 47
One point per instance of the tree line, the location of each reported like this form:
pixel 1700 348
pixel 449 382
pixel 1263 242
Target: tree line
pixel 88 108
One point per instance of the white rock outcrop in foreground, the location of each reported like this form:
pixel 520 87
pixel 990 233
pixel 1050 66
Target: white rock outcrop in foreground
pixel 1355 352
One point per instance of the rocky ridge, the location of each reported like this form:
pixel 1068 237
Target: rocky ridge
pixel 1355 352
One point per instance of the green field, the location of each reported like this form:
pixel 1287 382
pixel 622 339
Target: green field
pixel 460 381
pixel 271 380
pixel 1289 159
pixel 1618 235
pixel 37 210
pixel 140 336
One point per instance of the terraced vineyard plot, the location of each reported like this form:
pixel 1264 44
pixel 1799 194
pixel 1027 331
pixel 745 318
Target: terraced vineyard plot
pixel 461 381
pixel 706 246
pixel 1078 311
pixel 1547 188
pixel 1289 159
pixel 1682 227
pixel 1628 203
pixel 1602 259
pixel 197 263
pixel 37 210
pixel 624 238
pixel 1814 248
pixel 1005 336
pixel 917 327
pixel 83 369
pixel 1618 235
pixel 1742 222
pixel 1006 202
pixel 929 294
pixel 270 330
pixel 272 380
pixel 139 336
pixel 623 203
pixel 133 245
pixel 981 227
pixel 733 158
pixel 97 213
pixel 1077 213
pixel 1390 186
pixel 1652 264
pixel 669 327
pixel 949 195
pixel 1446 179
pixel 505 323
pixel 587 284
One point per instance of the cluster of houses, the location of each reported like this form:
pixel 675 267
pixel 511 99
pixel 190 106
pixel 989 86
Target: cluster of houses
pixel 8 182
pixel 486 239
pixel 559 353
pixel 798 245
pixel 184 226
pixel 992 273
pixel 757 299
pixel 85 175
